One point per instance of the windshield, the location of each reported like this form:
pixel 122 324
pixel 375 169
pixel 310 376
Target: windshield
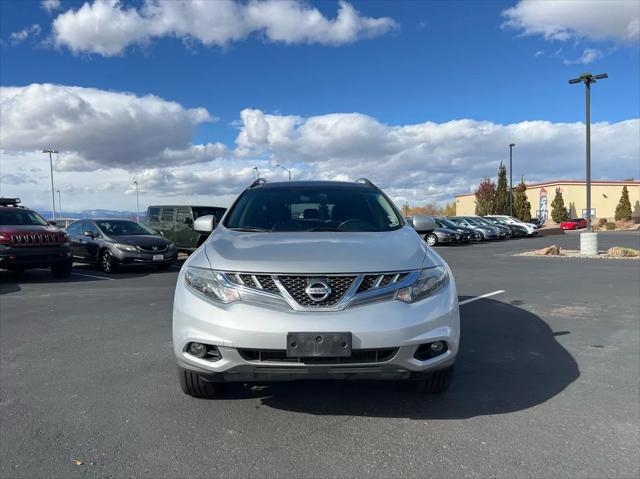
pixel 473 221
pixel 313 209
pixel 482 221
pixel 123 228
pixel 447 223
pixel 17 216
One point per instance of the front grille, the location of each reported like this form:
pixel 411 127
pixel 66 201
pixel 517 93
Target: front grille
pixel 372 281
pixel 256 281
pixel 149 249
pixel 35 239
pixel 296 285
pixel 280 356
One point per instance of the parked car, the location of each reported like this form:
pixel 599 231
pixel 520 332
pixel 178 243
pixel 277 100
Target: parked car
pixel 442 236
pixel 28 241
pixel 503 231
pixel 531 229
pixel 112 243
pixel 466 234
pixel 272 296
pixel 574 224
pixel 517 231
pixel 537 222
pixel 175 222
pixel 485 232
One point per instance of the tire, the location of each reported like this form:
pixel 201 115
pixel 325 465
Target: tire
pixel 481 234
pixel 437 382
pixel 107 263
pixel 164 266
pixel 431 239
pixel 62 270
pixel 193 385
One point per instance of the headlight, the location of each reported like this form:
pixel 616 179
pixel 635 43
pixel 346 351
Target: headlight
pixel 210 284
pixel 125 247
pixel 429 281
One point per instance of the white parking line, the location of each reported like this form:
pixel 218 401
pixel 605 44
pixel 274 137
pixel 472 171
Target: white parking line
pixel 81 274
pixel 471 300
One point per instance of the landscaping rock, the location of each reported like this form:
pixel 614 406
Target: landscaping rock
pixel 548 251
pixel 618 252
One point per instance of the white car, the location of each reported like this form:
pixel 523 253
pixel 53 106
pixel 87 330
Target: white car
pixel 314 280
pixel 532 229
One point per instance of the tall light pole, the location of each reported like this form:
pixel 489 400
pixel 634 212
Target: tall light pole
pixel 285 169
pixel 257 172
pixel 59 203
pixel 53 191
pixel 137 203
pixel 511 145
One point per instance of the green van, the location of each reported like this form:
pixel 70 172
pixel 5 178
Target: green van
pixel 175 222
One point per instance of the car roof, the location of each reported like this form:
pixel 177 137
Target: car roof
pixel 347 185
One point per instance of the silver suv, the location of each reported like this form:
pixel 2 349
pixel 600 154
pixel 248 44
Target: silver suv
pixel 306 280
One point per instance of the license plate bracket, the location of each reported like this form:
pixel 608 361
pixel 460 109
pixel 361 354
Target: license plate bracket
pixel 158 257
pixel 318 344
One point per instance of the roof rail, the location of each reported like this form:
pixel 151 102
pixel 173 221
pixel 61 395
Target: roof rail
pixel 9 201
pixel 258 182
pixel 366 181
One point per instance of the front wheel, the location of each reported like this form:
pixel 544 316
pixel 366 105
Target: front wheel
pixel 436 383
pixel 432 239
pixel 193 385
pixel 480 236
pixel 107 263
pixel 62 270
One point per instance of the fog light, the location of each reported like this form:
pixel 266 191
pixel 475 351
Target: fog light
pixel 437 347
pixel 428 351
pixel 198 350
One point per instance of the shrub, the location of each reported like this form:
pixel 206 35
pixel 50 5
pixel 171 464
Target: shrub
pixel 602 222
pixel 610 226
pixel 558 209
pixel 623 210
pixel 618 252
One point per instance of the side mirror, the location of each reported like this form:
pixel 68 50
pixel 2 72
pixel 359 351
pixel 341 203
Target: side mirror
pixel 188 221
pixel 205 224
pixel 424 224
pixel 88 233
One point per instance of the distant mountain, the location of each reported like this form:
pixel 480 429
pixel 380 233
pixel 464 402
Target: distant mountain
pixel 99 213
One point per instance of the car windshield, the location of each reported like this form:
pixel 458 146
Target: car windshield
pixel 123 228
pixel 17 216
pixel 473 221
pixel 313 208
pixel 446 223
pixel 482 221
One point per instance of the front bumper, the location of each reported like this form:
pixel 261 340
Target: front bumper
pixel 386 324
pixel 33 257
pixel 144 258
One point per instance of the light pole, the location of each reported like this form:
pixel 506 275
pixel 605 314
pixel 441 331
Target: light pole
pixel 53 191
pixel 511 145
pixel 285 169
pixel 257 172
pixel 137 203
pixel 591 240
pixel 59 203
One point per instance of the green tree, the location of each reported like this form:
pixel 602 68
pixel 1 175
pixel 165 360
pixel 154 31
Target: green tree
pixel 486 197
pixel 558 209
pixel 623 210
pixel 449 209
pixel 521 205
pixel 502 192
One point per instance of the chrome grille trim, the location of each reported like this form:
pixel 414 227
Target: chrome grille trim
pixel 35 239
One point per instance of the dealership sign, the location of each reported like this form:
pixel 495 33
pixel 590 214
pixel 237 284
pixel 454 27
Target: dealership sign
pixel 542 212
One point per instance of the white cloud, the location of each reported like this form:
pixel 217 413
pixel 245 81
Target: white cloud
pixel 589 55
pixel 50 5
pixel 20 36
pixel 101 129
pixel 576 19
pixel 106 27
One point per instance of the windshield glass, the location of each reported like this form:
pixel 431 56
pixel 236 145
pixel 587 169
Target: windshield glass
pixel 482 221
pixel 17 216
pixel 123 228
pixel 472 221
pixel 313 209
pixel 447 223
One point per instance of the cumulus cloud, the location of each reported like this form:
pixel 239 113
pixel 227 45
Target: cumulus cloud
pixel 589 55
pixel 107 27
pixel 96 129
pixel 20 36
pixel 50 5
pixel 576 19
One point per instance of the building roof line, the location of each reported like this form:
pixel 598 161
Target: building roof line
pixel 571 182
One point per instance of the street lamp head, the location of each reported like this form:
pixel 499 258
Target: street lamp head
pixel 600 76
pixel 511 145
pixel 50 151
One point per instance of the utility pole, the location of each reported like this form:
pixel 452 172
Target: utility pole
pixel 511 178
pixel 285 169
pixel 588 240
pixel 59 203
pixel 137 203
pixel 53 191
pixel 257 172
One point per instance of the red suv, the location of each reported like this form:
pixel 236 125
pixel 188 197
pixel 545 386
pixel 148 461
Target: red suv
pixel 27 241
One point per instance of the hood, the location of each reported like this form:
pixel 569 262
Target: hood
pixel 318 252
pixel 29 229
pixel 141 240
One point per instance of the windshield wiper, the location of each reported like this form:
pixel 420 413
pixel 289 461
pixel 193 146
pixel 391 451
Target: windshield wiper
pixel 251 228
pixel 321 228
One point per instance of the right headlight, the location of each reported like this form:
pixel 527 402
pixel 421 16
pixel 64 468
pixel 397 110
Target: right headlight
pixel 210 284
pixel 429 282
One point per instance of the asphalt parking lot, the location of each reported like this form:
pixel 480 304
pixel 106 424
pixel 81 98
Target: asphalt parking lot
pixel 546 383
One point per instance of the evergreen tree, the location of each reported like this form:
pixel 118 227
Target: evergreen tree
pixel 521 205
pixel 623 210
pixel 558 209
pixel 486 197
pixel 502 192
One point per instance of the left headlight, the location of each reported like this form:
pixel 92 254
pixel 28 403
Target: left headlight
pixel 429 282
pixel 210 284
pixel 125 247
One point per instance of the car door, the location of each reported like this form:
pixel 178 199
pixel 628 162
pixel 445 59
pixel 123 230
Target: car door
pixel 86 248
pixel 183 233
pixel 77 239
pixel 167 222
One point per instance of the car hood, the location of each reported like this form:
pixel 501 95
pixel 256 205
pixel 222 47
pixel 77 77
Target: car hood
pixel 29 229
pixel 318 252
pixel 141 240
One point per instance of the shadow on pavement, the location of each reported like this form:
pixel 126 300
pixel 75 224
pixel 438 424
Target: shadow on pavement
pixel 509 361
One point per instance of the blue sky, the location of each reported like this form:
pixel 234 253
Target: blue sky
pixel 438 62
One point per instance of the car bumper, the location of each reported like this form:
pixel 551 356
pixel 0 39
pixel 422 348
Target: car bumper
pixel 134 258
pixel 388 324
pixel 33 257
pixel 446 239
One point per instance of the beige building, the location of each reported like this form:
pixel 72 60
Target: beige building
pixel 605 196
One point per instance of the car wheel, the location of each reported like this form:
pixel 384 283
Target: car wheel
pixel 432 239
pixel 107 263
pixel 62 270
pixel 193 385
pixel 480 236
pixel 437 382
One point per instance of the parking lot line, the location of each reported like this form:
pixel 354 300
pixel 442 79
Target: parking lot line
pixel 470 300
pixel 82 274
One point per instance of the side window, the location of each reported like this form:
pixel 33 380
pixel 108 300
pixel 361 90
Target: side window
pixel 75 228
pixel 182 214
pixel 88 226
pixel 153 216
pixel 167 215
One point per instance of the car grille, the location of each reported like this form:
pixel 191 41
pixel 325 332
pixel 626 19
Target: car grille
pixel 35 239
pixel 296 285
pixel 149 249
pixel 280 356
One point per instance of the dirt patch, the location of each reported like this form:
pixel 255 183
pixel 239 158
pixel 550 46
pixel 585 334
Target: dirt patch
pixel 556 252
